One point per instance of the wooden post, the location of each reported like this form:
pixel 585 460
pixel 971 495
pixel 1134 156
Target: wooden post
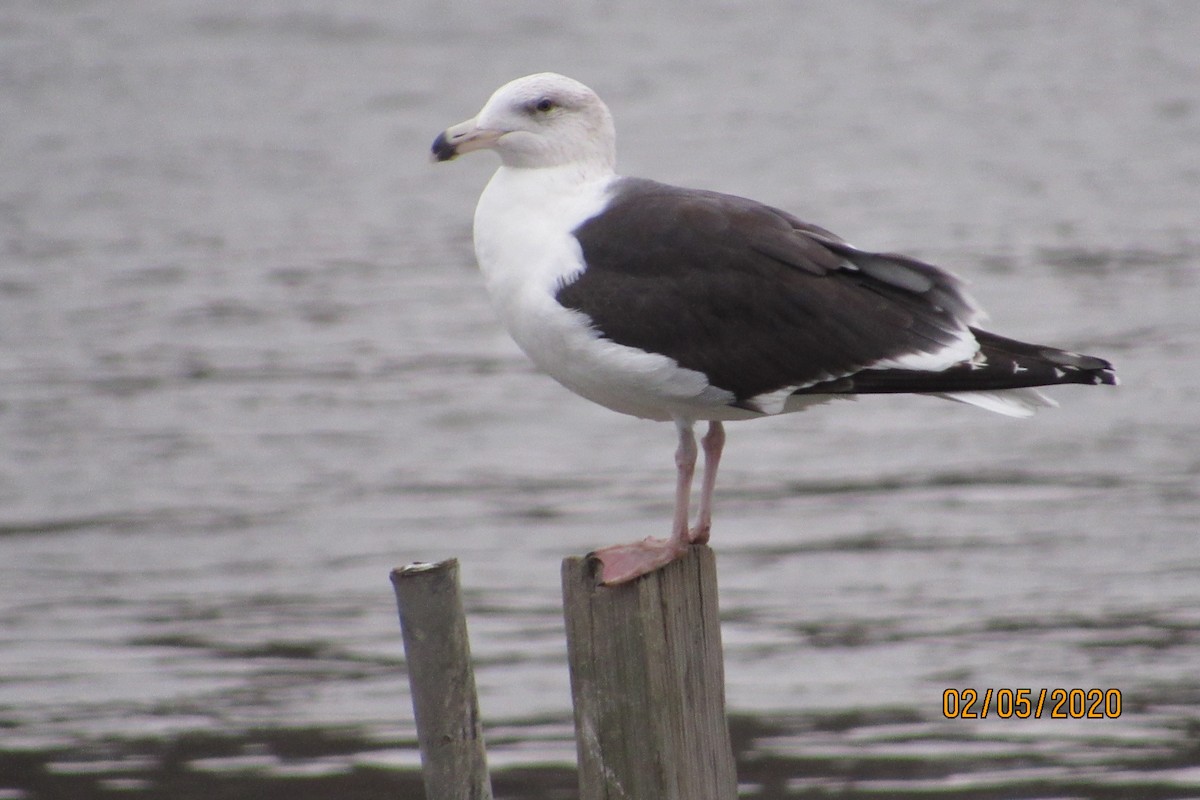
pixel 438 656
pixel 648 682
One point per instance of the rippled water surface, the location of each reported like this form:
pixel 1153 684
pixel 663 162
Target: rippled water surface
pixel 247 367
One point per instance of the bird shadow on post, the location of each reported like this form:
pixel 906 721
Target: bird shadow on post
pixel 648 683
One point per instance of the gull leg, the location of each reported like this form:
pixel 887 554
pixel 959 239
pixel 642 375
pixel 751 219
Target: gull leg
pixel 714 443
pixel 624 562
pixel 685 465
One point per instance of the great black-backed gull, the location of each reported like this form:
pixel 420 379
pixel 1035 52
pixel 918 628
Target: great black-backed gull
pixel 686 305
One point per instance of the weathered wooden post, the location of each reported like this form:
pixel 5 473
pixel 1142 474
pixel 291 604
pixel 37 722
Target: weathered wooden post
pixel 438 655
pixel 648 681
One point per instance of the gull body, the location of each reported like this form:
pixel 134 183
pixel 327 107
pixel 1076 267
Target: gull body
pixel 686 305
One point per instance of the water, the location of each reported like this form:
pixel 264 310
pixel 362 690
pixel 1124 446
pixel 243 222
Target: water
pixel 248 367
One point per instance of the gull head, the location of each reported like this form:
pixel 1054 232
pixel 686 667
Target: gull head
pixel 542 120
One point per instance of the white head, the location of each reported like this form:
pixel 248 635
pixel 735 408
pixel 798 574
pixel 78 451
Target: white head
pixel 542 120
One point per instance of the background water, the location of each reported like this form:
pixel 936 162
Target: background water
pixel 247 366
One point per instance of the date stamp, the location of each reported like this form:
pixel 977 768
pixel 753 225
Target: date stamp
pixel 1031 703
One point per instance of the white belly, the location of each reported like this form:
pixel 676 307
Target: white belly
pixel 625 379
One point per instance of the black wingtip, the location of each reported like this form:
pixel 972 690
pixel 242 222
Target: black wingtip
pixel 443 149
pixel 1099 370
pixel 1107 376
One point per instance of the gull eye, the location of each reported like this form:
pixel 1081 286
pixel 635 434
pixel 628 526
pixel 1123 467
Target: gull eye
pixel 544 105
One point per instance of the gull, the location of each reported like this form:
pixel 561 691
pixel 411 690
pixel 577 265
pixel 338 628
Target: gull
pixel 685 305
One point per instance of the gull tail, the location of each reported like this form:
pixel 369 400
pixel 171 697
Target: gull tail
pixel 1000 378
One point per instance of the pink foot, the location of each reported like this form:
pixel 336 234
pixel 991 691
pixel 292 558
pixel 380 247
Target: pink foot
pixel 699 535
pixel 622 563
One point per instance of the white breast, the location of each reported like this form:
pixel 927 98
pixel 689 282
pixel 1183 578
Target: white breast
pixel 527 252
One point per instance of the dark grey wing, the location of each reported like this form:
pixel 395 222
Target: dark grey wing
pixel 752 297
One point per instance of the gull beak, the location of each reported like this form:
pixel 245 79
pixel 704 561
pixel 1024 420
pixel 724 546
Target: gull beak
pixel 463 138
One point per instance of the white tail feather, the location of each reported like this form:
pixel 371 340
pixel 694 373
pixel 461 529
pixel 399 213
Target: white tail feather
pixel 1009 402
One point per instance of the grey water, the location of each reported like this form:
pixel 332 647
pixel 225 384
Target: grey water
pixel 247 367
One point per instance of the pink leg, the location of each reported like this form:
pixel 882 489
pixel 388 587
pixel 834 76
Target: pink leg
pixel 624 562
pixel 714 442
pixel 685 465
